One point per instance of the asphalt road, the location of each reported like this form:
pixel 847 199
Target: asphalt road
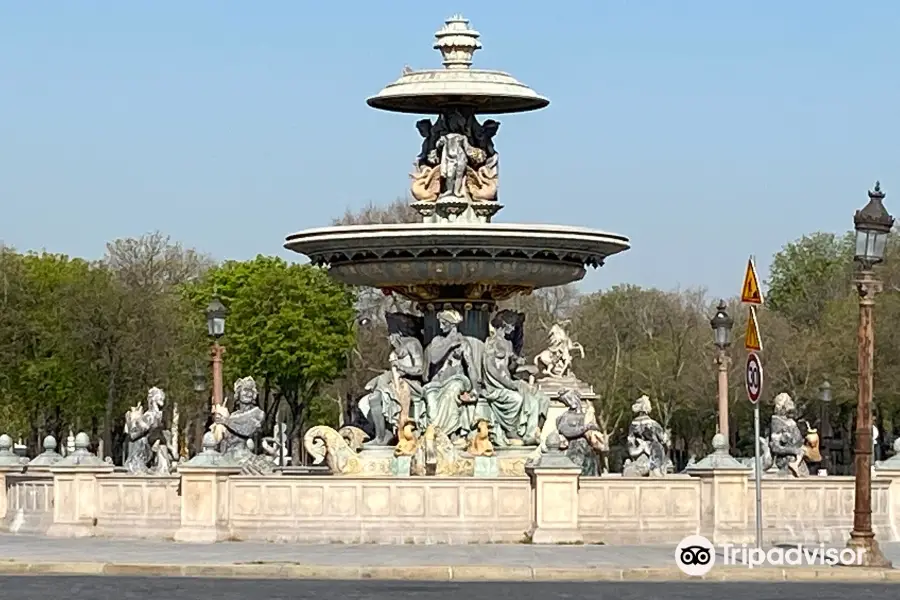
pixel 141 588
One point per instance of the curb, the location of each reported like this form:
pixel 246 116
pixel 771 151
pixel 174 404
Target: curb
pixel 461 573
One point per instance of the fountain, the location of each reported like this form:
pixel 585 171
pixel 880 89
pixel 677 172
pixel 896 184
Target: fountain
pixel 458 364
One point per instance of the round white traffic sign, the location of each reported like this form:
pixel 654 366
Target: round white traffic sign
pixel 754 377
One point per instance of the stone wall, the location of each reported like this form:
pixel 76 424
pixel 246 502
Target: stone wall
pixel 817 509
pixel 145 507
pixel 382 510
pixel 625 510
pixel 553 506
pixel 29 502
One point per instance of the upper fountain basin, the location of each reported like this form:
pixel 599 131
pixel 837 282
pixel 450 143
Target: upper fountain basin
pixel 431 91
pixel 507 258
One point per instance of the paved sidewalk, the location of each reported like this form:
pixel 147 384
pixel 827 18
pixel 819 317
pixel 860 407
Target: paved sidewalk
pixel 34 554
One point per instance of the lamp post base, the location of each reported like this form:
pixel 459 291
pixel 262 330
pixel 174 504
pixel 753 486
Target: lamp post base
pixel 867 547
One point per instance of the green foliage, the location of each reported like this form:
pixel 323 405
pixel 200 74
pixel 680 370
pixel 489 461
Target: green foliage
pixel 809 273
pixel 289 325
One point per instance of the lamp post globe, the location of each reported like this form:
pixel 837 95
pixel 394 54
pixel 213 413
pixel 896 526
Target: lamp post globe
pixel 825 391
pixel 198 377
pixel 721 325
pixel 215 318
pixel 872 224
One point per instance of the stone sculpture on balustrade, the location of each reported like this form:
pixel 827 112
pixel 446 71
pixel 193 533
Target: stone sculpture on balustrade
pixel 234 432
pixel 786 442
pixel 584 443
pixel 149 445
pixel 648 444
pixel 553 367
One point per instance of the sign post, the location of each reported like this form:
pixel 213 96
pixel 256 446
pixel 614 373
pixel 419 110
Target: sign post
pixel 754 381
pixel 751 294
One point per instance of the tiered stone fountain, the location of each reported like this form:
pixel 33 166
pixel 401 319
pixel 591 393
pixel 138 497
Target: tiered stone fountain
pixel 455 265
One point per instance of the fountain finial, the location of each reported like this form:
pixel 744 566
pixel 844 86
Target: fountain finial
pixel 457 42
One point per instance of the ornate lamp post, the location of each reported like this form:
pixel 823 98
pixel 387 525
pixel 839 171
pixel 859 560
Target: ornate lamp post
pixel 873 225
pixel 215 324
pixel 825 423
pixel 721 324
pixel 198 378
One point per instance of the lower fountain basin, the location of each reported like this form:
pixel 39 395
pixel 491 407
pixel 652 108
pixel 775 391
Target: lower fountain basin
pixel 490 261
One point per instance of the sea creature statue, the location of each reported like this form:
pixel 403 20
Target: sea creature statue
pixel 583 441
pixel 648 444
pixel 481 183
pixel 480 440
pixel 328 446
pixel 354 436
pixel 243 423
pixel 516 407
pixel 426 183
pixel 556 361
pixel 426 175
pixel 407 440
pixel 453 364
pixel 786 443
pixel 142 430
pixel 765 456
pixel 396 392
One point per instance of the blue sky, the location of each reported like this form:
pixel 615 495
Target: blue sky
pixel 704 130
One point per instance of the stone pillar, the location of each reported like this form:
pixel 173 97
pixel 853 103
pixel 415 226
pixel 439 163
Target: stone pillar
pixel 75 491
pixel 726 513
pixel 204 495
pixel 9 463
pixel 890 470
pixel 554 481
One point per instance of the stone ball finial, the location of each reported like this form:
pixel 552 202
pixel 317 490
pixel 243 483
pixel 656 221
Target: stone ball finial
pixel 209 442
pixel 6 443
pixel 720 443
pixel 82 441
pixel 49 444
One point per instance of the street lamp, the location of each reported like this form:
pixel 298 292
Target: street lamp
pixel 198 377
pixel 873 225
pixel 825 422
pixel 215 325
pixel 215 318
pixel 721 325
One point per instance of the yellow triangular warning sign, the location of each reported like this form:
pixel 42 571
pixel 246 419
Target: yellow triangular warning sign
pixel 750 292
pixel 752 341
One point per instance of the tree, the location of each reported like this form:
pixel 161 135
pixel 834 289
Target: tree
pixel 398 211
pixel 144 331
pixel 809 273
pixel 290 326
